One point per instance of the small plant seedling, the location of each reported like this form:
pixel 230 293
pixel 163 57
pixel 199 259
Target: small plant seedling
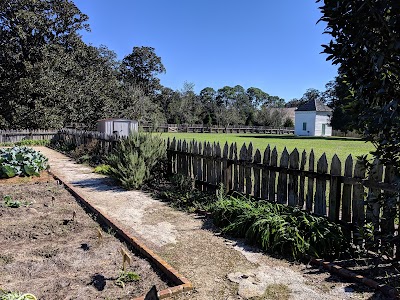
pixel 125 259
pixel 10 202
pixel 125 277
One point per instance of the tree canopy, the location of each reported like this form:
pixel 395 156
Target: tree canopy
pixel 366 46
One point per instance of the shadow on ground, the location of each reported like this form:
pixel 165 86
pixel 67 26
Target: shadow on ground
pixel 99 185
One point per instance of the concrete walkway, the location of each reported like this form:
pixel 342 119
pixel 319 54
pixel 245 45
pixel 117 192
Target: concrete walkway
pixel 218 268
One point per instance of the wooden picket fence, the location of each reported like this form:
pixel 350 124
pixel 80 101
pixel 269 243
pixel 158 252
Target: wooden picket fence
pixel 13 136
pixel 339 191
pixel 301 180
pixel 104 142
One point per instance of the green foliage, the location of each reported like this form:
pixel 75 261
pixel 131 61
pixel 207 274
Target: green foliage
pixel 278 228
pixel 288 122
pixel 15 296
pixel 21 161
pixel 10 202
pixel 126 276
pixel 184 196
pixel 137 159
pixel 26 143
pixel 102 169
pixel 367 53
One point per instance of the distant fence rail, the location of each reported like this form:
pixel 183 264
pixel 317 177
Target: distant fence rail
pixel 13 136
pixel 200 128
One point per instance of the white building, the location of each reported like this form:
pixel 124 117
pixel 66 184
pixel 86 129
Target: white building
pixel 122 127
pixel 313 119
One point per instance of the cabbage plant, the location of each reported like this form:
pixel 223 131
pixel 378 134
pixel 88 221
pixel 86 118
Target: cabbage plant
pixel 21 161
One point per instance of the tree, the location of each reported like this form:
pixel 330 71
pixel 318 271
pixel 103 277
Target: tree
pixel 257 96
pixel 33 34
pixel 337 97
pixel 209 105
pixel 141 68
pixel 368 55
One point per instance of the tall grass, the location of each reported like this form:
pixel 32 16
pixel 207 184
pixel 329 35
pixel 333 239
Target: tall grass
pixel 279 229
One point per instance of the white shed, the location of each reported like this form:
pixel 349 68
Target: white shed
pixel 313 119
pixel 122 127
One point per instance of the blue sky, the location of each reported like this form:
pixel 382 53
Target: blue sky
pixel 272 45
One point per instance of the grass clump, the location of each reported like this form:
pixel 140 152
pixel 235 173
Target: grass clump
pixel 137 159
pixel 277 291
pixel 277 228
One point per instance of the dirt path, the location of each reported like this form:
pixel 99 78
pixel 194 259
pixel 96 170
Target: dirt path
pixel 218 268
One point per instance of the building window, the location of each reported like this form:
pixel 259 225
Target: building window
pixel 304 126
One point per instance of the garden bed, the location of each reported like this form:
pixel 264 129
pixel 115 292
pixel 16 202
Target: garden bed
pixel 51 247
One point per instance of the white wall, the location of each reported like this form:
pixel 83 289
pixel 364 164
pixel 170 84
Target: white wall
pixel 307 117
pixel 322 117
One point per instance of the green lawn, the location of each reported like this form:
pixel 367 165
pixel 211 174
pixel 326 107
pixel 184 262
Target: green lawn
pixel 331 145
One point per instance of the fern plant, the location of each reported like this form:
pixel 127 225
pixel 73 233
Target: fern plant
pixel 137 159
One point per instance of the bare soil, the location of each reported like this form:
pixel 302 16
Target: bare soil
pixel 52 248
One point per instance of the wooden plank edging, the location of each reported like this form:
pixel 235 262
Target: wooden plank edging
pixel 183 284
pixel 389 291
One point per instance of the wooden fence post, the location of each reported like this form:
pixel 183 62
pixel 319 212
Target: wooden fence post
pixel 227 168
pixel 265 174
pixel 373 210
pixel 302 179
pixel 257 173
pixel 242 160
pixel 310 183
pixel 358 196
pixel 235 167
pixel 293 186
pixel 248 168
pixel 282 190
pixel 272 176
pixel 335 189
pixel 218 164
pixel 347 190
pixel 320 192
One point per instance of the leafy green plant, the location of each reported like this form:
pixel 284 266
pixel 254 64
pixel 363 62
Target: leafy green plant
pixel 16 296
pixel 102 169
pixel 137 159
pixel 182 195
pixel 10 202
pixel 126 276
pixel 279 228
pixel 21 161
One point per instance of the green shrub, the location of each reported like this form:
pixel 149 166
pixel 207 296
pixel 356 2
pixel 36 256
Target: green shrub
pixel 137 159
pixel 21 161
pixel 182 195
pixel 102 169
pixel 26 143
pixel 279 228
